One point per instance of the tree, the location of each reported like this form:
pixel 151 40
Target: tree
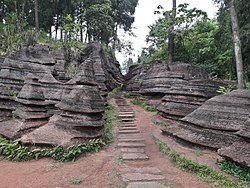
pixel 171 34
pixel 36 15
pixel 237 44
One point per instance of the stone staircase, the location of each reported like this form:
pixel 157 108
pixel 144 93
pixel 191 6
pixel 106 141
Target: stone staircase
pixel 134 171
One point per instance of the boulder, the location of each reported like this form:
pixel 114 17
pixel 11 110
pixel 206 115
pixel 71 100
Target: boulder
pixel 222 122
pixel 238 152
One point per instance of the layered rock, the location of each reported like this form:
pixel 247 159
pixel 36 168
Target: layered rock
pixel 134 78
pixel 30 112
pixel 49 106
pixel 34 59
pixel 81 114
pixel 106 68
pixel 221 123
pixel 182 99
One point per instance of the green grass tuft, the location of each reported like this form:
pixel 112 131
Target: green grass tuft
pixel 235 170
pixel 144 104
pixel 204 172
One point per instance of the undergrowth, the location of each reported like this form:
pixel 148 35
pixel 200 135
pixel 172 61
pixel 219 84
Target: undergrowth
pixel 144 104
pixel 204 172
pixel 14 150
pixel 235 170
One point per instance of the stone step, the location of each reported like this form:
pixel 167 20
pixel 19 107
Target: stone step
pixel 132 150
pixel 129 122
pixel 127 128
pixel 133 135
pixel 126 115
pixel 128 119
pixel 131 140
pixel 146 185
pixel 127 112
pixel 129 131
pixel 142 170
pixel 132 177
pixel 135 156
pixel 131 144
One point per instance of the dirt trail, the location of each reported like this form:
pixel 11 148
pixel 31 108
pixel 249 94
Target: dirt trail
pixel 133 159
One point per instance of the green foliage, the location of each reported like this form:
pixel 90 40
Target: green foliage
pixel 235 170
pixel 159 32
pixel 70 28
pixel 120 159
pixel 113 92
pixel 14 150
pixel 72 70
pixel 144 104
pixel 108 128
pixel 11 37
pixel 127 95
pixel 160 123
pixel 224 90
pixel 204 172
pixel 248 85
pixel 76 181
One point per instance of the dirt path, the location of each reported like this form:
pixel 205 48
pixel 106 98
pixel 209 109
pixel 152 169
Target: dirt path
pixel 113 167
pixel 168 174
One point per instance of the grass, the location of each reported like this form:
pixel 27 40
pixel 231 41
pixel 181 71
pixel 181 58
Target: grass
pixel 14 150
pixel 76 181
pixel 120 158
pixel 235 170
pixel 144 104
pixel 160 123
pixel 202 171
pixel 126 95
pixel 248 85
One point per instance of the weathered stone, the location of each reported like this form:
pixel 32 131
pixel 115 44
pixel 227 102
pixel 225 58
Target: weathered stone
pixel 128 131
pixel 135 156
pixel 245 130
pixel 131 177
pixel 131 140
pixel 238 152
pixel 74 101
pixel 132 150
pixel 145 185
pixel 226 112
pixel 213 139
pixel 131 144
pixel 142 170
pixel 61 136
pixel 106 68
pixel 221 123
pixel 14 129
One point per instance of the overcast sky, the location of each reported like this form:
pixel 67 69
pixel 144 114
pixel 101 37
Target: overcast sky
pixel 144 16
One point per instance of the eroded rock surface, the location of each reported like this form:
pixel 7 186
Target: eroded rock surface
pixel 221 123
pixel 48 106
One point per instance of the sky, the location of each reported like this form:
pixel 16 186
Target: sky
pixel 144 16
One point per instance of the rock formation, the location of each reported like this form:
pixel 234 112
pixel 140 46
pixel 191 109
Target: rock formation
pixel 182 99
pixel 81 115
pixel 221 123
pixel 45 105
pixel 184 87
pixel 106 68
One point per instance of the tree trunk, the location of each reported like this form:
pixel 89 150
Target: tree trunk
pixel 36 16
pixel 237 45
pixel 171 35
